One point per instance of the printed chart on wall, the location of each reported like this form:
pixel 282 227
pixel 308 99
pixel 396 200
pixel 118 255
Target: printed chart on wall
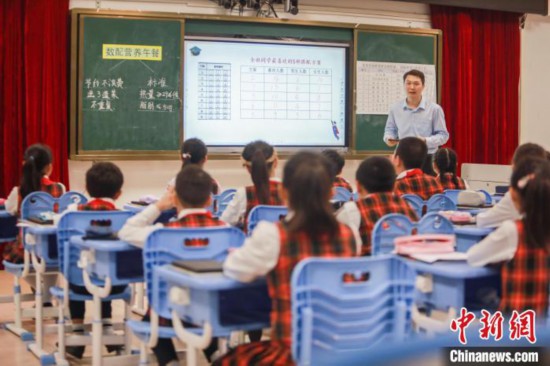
pixel 290 94
pixel 380 85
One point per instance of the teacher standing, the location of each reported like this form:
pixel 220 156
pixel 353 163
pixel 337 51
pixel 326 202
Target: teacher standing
pixel 415 116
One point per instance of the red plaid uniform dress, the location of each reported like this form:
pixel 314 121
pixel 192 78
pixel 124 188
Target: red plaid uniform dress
pixel 199 219
pixel 294 248
pixel 447 182
pixel 342 182
pixel 253 201
pixel 13 251
pixel 373 207
pixel 525 278
pixel 416 182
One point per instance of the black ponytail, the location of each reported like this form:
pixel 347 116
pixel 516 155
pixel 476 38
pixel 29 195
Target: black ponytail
pixel 308 179
pixel 193 151
pixel 445 160
pixel 531 180
pixel 259 157
pixel 36 158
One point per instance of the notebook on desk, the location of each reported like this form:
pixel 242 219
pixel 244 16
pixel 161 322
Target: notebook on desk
pixel 199 266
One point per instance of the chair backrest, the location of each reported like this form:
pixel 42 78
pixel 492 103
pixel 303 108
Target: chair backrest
pixel 166 245
pixel 75 223
pixel 440 202
pixel 435 223
pixel 223 199
pixel 416 203
pixel 70 197
pixel 488 197
pixel 37 202
pixel 333 318
pixel 265 213
pixel 386 229
pixel 341 194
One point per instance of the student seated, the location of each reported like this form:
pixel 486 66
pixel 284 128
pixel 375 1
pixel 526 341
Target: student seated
pixel 190 197
pixel 260 160
pixel 338 163
pixel 375 180
pixel 37 166
pixel 445 163
pixel 194 151
pixel 274 249
pixel 104 182
pixel 522 245
pixel 408 158
pixel 505 209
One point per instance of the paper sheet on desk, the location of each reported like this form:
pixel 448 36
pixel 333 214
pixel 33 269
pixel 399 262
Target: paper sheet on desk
pixel 431 258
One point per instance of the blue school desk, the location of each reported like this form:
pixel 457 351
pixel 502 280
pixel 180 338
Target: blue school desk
pixel 469 235
pixel 447 286
pixel 226 304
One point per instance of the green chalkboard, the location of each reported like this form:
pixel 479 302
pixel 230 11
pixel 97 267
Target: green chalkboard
pixel 393 46
pixel 129 85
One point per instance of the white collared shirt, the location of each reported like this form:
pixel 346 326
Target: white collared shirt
pixel 499 246
pixel 136 230
pixel 496 215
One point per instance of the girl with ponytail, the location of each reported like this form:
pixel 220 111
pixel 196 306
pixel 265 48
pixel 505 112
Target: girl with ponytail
pixel 194 152
pixel 445 163
pixel 37 166
pixel 260 160
pixel 274 249
pixel 524 244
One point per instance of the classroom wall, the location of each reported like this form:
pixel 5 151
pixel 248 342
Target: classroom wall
pixel 150 177
pixel 535 81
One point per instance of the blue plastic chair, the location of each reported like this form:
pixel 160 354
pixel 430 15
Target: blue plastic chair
pixel 435 223
pixel 333 320
pixel 265 213
pixel 75 223
pixel 488 197
pixel 341 194
pixel 452 194
pixel 69 198
pixel 167 245
pixel 416 203
pixel 386 229
pixel 440 202
pixel 223 199
pixel 392 226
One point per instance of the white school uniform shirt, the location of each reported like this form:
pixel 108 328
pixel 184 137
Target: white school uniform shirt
pixel 236 209
pixel 502 211
pixel 499 246
pixel 260 253
pixel 137 228
pixel 11 202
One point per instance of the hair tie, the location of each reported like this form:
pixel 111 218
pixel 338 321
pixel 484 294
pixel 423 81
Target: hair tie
pixel 267 161
pixel 186 156
pixel 30 158
pixel 522 183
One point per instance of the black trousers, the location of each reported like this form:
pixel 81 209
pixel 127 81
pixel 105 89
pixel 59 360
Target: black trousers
pixel 427 167
pixel 77 308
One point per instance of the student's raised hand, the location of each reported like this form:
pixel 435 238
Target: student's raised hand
pixel 166 202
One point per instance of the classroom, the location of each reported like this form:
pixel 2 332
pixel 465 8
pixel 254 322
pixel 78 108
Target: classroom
pixel 131 94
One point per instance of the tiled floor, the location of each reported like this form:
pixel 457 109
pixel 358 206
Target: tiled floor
pixel 13 351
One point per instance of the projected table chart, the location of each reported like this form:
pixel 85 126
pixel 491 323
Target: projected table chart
pixel 214 91
pixel 274 92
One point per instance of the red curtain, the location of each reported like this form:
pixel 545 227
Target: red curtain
pixel 33 84
pixel 480 81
